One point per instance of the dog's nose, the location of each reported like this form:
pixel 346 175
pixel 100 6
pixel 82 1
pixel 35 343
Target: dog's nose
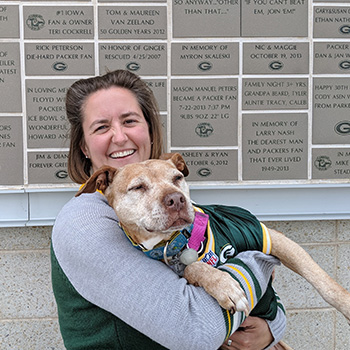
pixel 174 201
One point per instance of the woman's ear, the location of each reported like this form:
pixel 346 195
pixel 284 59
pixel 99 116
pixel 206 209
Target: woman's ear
pixel 83 148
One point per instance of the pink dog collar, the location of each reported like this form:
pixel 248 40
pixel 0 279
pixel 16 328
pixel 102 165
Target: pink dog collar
pixel 198 230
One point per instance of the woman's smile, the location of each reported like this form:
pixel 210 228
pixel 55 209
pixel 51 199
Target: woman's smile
pixel 121 154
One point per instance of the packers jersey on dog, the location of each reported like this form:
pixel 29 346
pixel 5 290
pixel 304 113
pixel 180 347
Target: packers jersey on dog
pixel 230 231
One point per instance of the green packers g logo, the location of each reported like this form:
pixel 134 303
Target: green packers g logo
pixel 345 29
pixel 204 66
pixel 276 65
pixel 204 172
pixel 61 174
pixel 323 163
pixel 344 65
pixel 343 128
pixel 204 130
pixel 133 66
pixel 59 66
pixel 35 22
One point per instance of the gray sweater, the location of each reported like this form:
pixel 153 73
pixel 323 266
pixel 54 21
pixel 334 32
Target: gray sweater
pixel 108 272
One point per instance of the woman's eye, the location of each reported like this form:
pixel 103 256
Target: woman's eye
pixel 101 128
pixel 130 121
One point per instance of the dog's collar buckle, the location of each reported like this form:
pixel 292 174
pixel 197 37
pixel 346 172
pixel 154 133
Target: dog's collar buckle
pixel 177 242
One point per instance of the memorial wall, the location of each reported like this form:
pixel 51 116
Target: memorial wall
pixel 250 91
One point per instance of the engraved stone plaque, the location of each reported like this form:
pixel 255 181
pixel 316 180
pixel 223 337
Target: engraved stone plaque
pixel 140 58
pixel 10 78
pixel 279 93
pixel 331 57
pixel 331 105
pixel 159 88
pixel 204 112
pixel 201 58
pixel 275 146
pixel 209 165
pixel 276 58
pixel 48 167
pixel 58 22
pixel 331 163
pixel 11 151
pixel 207 18
pixel 47 124
pixel 128 22
pixel 9 21
pixel 331 22
pixel 59 58
pixel 271 18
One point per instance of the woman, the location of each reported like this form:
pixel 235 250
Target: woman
pixel 110 296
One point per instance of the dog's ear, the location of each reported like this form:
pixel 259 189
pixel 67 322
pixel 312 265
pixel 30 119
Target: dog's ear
pixel 177 159
pixel 166 156
pixel 99 180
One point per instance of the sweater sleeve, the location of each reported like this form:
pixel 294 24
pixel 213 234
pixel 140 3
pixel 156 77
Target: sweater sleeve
pixel 278 325
pixel 253 267
pixel 106 270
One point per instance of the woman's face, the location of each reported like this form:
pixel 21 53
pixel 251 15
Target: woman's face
pixel 115 130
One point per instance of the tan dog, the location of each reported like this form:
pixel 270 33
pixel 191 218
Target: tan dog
pixel 152 201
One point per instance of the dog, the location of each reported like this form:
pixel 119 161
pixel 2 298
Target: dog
pixel 158 194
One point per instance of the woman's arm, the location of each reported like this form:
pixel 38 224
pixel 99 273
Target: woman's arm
pixel 257 333
pixel 106 270
pixel 109 272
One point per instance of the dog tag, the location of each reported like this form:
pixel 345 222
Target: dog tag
pixel 189 256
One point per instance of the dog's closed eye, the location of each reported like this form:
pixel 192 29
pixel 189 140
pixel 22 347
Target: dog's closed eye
pixel 139 187
pixel 177 178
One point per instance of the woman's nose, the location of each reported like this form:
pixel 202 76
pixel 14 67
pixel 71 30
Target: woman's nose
pixel 119 136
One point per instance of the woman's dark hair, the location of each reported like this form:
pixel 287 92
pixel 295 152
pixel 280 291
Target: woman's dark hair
pixel 79 167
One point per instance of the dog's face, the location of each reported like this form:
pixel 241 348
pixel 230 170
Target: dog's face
pixel 151 198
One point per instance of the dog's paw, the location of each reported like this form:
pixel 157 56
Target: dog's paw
pixel 228 293
pixel 218 284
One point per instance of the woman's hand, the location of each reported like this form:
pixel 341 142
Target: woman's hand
pixel 254 334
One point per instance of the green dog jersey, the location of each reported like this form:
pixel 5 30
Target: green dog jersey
pixel 230 231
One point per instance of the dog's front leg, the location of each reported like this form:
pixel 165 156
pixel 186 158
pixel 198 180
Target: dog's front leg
pixel 218 284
